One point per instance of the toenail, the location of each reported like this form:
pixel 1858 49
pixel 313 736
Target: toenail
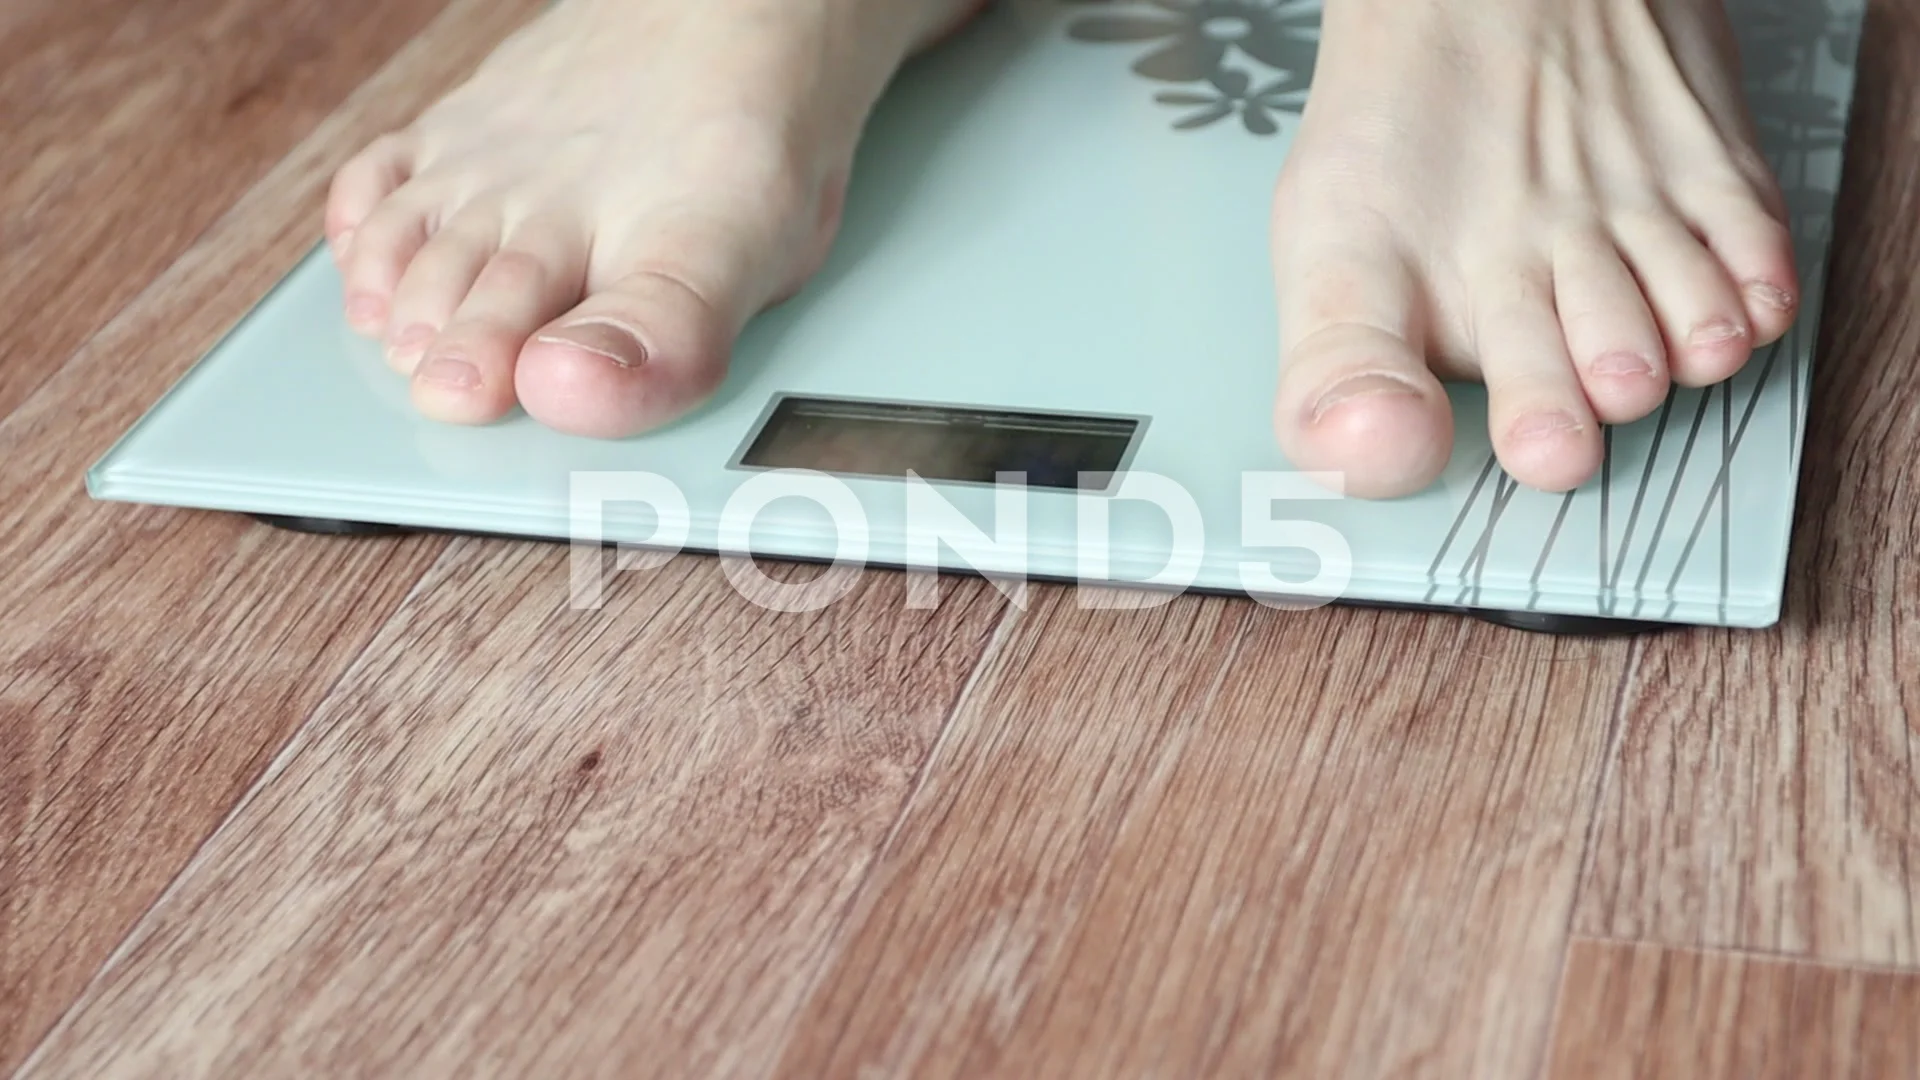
pixel 1624 364
pixel 1716 332
pixel 1772 296
pixel 1372 384
pixel 365 310
pixel 449 372
pixel 611 340
pixel 1543 425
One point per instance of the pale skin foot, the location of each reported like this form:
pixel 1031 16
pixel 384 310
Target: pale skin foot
pixel 584 227
pixel 1560 198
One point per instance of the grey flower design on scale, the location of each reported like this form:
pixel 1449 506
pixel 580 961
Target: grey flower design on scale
pixel 1247 58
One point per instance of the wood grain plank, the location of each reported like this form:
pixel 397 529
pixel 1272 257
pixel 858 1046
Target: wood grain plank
pixel 131 126
pixel 139 697
pixel 525 840
pixel 1764 795
pixel 152 661
pixel 1645 1012
pixel 1220 841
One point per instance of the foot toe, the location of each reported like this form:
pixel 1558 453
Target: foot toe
pixel 1360 402
pixel 384 245
pixel 467 375
pixel 1611 334
pixel 360 186
pixel 1756 250
pixel 1543 430
pixel 629 358
pixel 436 281
pixel 1701 314
pixel 1356 396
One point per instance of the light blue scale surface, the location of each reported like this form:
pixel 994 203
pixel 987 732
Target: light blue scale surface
pixel 1030 230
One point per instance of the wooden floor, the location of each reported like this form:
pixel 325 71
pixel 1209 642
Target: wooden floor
pixel 274 805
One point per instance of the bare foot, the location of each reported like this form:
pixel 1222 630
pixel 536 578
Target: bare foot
pixel 586 225
pixel 1559 197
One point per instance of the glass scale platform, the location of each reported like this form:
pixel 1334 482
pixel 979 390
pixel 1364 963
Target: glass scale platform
pixel 1054 262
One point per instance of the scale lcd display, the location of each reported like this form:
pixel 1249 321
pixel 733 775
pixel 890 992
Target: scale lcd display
pixel 953 444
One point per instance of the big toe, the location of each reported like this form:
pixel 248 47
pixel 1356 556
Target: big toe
pixel 630 358
pixel 1361 403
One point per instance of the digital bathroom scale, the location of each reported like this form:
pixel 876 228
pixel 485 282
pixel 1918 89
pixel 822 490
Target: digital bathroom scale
pixel 1054 263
